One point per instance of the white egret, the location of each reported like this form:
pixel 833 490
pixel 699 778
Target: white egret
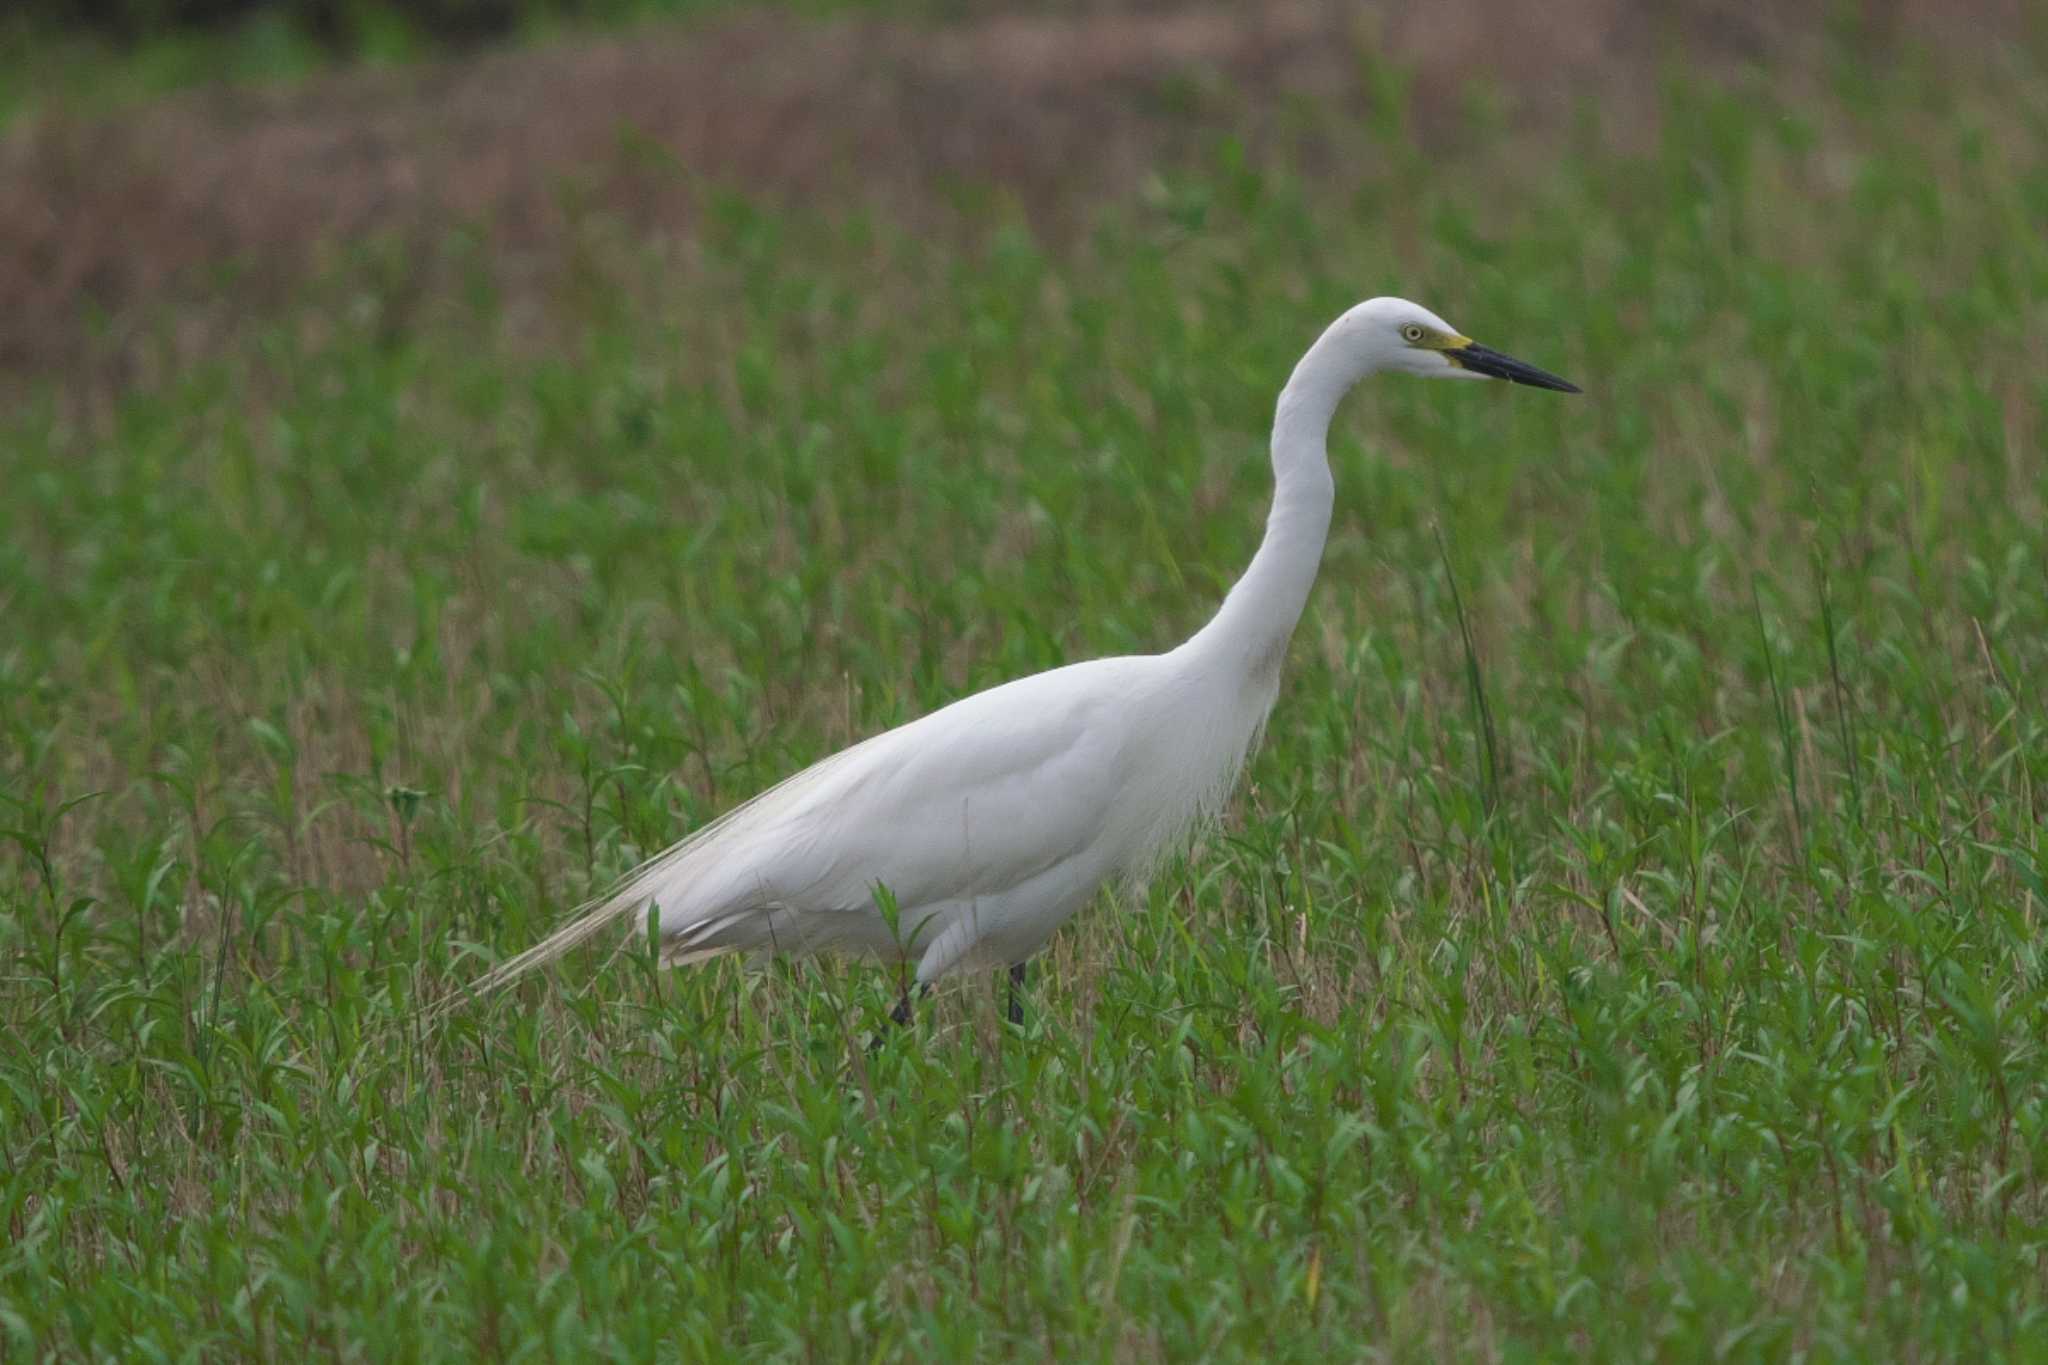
pixel 987 824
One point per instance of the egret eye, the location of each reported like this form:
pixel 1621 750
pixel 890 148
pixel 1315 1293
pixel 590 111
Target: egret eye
pixel 1413 333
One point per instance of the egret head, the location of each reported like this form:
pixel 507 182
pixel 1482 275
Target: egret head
pixel 1394 334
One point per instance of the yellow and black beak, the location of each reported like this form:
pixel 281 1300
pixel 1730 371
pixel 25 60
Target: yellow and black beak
pixel 1491 363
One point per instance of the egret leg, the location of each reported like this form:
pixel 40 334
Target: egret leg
pixel 1018 972
pixel 901 1015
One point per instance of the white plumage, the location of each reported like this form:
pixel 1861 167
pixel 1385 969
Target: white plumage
pixel 993 820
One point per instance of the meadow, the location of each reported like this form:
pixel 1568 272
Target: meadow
pixel 1626 945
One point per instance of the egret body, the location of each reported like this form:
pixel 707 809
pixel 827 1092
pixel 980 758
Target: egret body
pixel 992 821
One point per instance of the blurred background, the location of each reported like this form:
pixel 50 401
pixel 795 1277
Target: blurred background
pixel 169 168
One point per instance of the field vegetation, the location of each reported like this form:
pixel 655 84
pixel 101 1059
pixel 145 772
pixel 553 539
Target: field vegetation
pixel 1627 944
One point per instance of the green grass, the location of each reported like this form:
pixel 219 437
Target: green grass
pixel 1627 944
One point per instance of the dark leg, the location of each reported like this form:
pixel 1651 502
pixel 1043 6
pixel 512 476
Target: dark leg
pixel 1018 972
pixel 901 1015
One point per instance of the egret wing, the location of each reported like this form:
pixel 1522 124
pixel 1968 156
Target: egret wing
pixel 969 801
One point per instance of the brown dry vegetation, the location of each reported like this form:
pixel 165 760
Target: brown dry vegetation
pixel 211 205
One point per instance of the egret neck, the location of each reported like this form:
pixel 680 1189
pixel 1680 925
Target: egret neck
pixel 1249 632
